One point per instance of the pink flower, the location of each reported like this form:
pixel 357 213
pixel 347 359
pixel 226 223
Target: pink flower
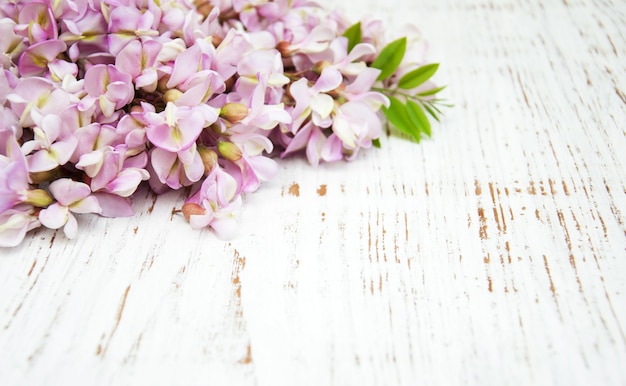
pixel 360 89
pixel 110 87
pixel 72 197
pixel 86 33
pixel 318 146
pixel 266 62
pixel 11 44
pixel 229 53
pixel 51 146
pixel 356 124
pixel 196 58
pixel 215 204
pixel 262 115
pixel 176 128
pixel 248 165
pixel 13 171
pixel 127 23
pixel 177 169
pixel 112 172
pixel 35 97
pixel 138 58
pixel 14 223
pixel 313 101
pixel 34 61
pixel 37 22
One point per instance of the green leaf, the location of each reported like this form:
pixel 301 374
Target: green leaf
pixel 398 116
pixel 432 91
pixel 418 117
pixel 376 143
pixel 418 76
pixel 354 35
pixel 390 58
pixel 431 112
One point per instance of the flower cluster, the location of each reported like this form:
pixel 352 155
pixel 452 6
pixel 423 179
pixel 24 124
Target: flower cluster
pixel 97 96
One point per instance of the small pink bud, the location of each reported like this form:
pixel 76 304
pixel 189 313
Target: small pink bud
pixel 229 150
pixel 209 158
pixel 136 109
pixel 39 198
pixel 320 66
pixel 234 112
pixel 162 83
pixel 172 95
pixel 285 49
pixel 39 177
pixel 191 209
pixel 204 7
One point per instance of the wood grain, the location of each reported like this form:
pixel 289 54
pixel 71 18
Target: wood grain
pixel 492 254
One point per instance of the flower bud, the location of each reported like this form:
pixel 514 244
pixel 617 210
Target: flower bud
pixel 229 150
pixel 38 197
pixel 191 209
pixel 172 95
pixel 136 109
pixel 234 112
pixel 162 82
pixel 204 7
pixel 285 49
pixel 320 66
pixel 39 177
pixel 209 158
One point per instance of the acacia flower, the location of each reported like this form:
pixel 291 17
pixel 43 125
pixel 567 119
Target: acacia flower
pixel 51 146
pixel 214 204
pixel 177 169
pixel 245 160
pixel 86 34
pixel 35 97
pixel 98 96
pixel 11 44
pixel 15 223
pixel 266 62
pixel 72 197
pixel 127 23
pixel 262 115
pixel 37 22
pixel 356 124
pixel 318 146
pixel 138 58
pixel 111 88
pixel 194 59
pixel 314 100
pixel 112 172
pixel 176 128
pixel 13 171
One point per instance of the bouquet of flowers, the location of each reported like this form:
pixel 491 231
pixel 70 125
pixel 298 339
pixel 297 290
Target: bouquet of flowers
pixel 97 96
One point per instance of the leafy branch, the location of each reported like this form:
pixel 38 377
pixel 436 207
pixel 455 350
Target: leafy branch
pixel 408 110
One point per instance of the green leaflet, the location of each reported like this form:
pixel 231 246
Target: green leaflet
pixel 376 143
pixel 432 91
pixel 431 112
pixel 390 58
pixel 354 35
pixel 397 114
pixel 418 117
pixel 418 76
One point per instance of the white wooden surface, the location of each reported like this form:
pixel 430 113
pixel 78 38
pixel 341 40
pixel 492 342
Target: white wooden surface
pixel 493 254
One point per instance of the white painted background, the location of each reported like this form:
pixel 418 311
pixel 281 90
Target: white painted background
pixel 492 254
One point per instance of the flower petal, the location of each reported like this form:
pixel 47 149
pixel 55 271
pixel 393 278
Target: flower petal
pixel 113 205
pixel 54 216
pixel 86 205
pixel 71 227
pixel 67 191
